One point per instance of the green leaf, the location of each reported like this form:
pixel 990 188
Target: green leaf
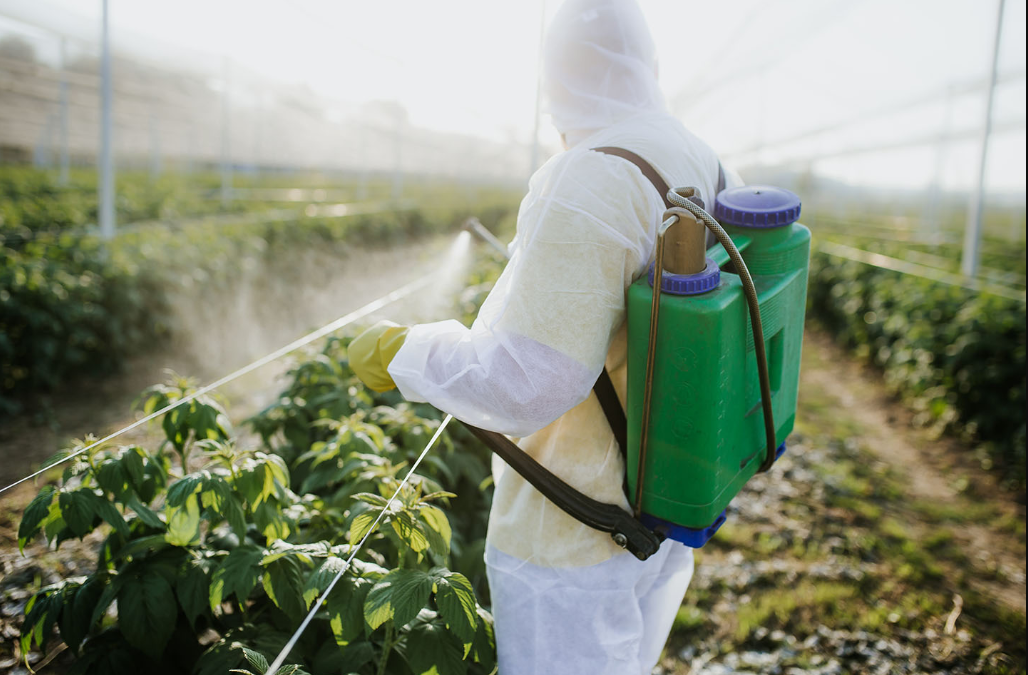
pixel 184 523
pixel 483 648
pixel 257 660
pixel 79 605
pixel 399 596
pixel 41 613
pixel 193 589
pixel 346 608
pixel 455 598
pixel 361 525
pixel 283 582
pixel 110 515
pixel 355 656
pixel 431 650
pixel 184 488
pixel 114 478
pixel 35 513
pixel 410 531
pixel 106 598
pixel 321 578
pixel 238 573
pixel 146 612
pixel 145 513
pixel 79 510
pixel 437 529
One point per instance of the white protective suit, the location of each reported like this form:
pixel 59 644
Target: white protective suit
pixel 566 599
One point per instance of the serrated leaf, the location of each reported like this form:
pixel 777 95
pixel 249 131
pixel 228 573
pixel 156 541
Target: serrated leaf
pixel 483 648
pixel 193 590
pixel 35 513
pixel 321 578
pixel 184 488
pixel 79 510
pixel 283 582
pixel 398 596
pixel 346 608
pixel 437 529
pixel 410 531
pixel 237 574
pixel 146 612
pixel 361 525
pixel 184 523
pixel 431 650
pixel 41 613
pixel 78 610
pixel 455 598
pixel 256 659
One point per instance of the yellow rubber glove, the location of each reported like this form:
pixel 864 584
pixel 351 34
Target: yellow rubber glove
pixel 371 352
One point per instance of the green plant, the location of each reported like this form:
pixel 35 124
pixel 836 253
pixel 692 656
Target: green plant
pixel 956 355
pixel 210 543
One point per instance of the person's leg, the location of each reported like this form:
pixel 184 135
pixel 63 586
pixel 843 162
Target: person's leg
pixel 659 603
pixel 570 621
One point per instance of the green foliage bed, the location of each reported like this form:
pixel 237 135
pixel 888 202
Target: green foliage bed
pixel 956 355
pixel 216 543
pixel 72 305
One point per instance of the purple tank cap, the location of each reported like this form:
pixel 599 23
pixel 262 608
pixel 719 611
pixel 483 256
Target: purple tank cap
pixel 757 206
pixel 689 284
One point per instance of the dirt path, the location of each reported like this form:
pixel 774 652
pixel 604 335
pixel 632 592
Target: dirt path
pixel 938 470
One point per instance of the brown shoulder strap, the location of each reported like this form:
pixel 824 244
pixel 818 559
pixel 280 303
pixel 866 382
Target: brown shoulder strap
pixel 651 174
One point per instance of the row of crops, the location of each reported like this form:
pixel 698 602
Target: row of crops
pixel 215 543
pixel 957 356
pixel 72 305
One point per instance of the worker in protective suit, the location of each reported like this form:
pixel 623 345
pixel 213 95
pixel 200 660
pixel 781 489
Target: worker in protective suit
pixel 566 598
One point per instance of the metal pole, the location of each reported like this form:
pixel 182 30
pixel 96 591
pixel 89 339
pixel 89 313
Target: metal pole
pixel 62 178
pixel 538 91
pixel 973 230
pixel 106 188
pixel 226 143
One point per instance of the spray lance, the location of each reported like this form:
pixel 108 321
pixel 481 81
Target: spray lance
pixel 714 341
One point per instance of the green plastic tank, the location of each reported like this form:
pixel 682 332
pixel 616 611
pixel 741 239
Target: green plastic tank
pixel 706 434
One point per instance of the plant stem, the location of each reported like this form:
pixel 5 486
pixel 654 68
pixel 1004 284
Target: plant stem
pixel 387 646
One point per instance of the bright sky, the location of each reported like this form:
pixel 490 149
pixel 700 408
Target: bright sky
pixel 743 74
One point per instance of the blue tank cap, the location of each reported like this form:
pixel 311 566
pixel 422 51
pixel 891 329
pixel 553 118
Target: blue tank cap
pixel 757 206
pixel 688 284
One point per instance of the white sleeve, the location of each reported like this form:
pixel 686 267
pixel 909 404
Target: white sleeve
pixel 585 232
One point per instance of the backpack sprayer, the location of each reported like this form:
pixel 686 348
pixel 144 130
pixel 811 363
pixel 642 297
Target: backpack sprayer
pixel 713 367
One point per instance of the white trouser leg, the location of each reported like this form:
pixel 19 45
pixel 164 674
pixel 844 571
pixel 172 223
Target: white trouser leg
pixel 607 619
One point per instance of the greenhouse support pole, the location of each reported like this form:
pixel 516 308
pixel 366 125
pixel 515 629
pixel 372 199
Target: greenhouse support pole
pixel 106 188
pixel 226 144
pixel 62 178
pixel 975 210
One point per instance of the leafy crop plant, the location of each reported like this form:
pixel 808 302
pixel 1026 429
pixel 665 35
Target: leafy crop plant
pixel 214 545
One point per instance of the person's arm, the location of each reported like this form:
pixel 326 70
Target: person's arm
pixel 585 231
